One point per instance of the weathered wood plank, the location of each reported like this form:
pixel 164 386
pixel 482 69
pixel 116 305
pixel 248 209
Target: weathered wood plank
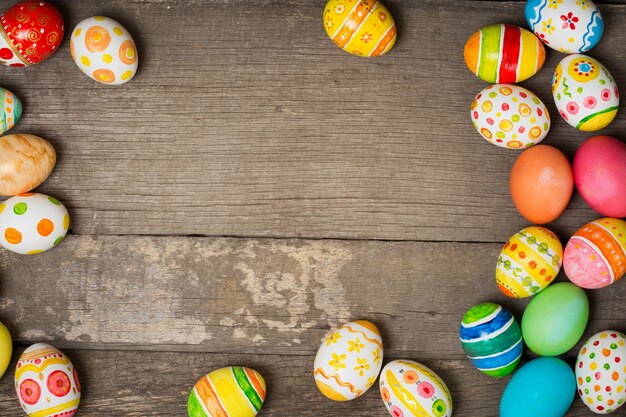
pixel 233 129
pixel 157 383
pixel 255 296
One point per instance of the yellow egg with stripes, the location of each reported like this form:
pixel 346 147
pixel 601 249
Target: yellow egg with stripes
pixel 529 262
pixel 360 27
pixel 233 391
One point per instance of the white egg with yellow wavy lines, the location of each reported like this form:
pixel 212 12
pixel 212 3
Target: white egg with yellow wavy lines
pixel 104 50
pixel 349 361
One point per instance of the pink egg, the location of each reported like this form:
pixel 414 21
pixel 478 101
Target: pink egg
pixel 600 175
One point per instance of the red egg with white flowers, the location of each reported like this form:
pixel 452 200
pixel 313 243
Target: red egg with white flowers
pixel 31 32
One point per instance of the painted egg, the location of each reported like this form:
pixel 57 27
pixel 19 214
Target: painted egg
pixel 543 387
pixel 32 223
pixel 502 53
pixel 510 116
pixel 410 389
pixel 228 392
pixel 596 255
pixel 585 93
pixel 529 262
pixel 541 182
pixel 360 27
pixel 31 32
pixel 568 26
pixel 11 110
pixel 104 50
pixel 601 373
pixel 46 382
pixel 492 339
pixel 25 162
pixel 6 349
pixel 348 361
pixel 555 319
pixel 600 175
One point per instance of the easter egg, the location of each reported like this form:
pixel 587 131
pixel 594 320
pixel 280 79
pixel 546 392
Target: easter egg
pixel 32 223
pixel 46 382
pixel 32 31
pixel 492 339
pixel 529 262
pixel 555 319
pixel 360 27
pixel 510 116
pixel 227 392
pixel 595 255
pixel 6 348
pixel 541 184
pixel 11 110
pixel 348 361
pixel 585 93
pixel 410 389
pixel 104 50
pixel 543 387
pixel 502 53
pixel 600 175
pixel 601 373
pixel 25 162
pixel 568 26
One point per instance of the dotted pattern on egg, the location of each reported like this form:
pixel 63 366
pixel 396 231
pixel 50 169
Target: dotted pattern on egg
pixel 510 116
pixel 104 50
pixel 11 110
pixel 601 372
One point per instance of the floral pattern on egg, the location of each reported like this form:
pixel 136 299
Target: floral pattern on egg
pixel 510 116
pixel 104 50
pixel 585 93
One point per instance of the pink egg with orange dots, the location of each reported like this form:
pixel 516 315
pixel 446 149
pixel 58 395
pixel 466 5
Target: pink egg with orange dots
pixel 600 175
pixel 595 256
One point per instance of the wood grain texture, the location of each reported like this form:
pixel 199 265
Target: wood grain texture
pixel 256 296
pixel 157 384
pixel 245 120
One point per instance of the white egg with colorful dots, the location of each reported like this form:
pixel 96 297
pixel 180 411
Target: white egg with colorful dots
pixel 104 50
pixel 32 223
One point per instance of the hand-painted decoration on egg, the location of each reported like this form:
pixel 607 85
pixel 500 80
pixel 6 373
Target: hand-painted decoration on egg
pixel 11 110
pixel 410 389
pixel 348 361
pixel 601 373
pixel 360 27
pixel 6 348
pixel 596 255
pixel 529 262
pixel 104 50
pixel 25 162
pixel 46 382
pixel 568 26
pixel 510 116
pixel 32 223
pixel 502 53
pixel 585 93
pixel 492 339
pixel 228 392
pixel 31 32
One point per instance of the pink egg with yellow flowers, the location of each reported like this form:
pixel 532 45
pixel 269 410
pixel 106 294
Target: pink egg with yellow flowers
pixel 600 175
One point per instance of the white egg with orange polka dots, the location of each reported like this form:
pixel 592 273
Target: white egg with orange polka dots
pixel 104 50
pixel 32 223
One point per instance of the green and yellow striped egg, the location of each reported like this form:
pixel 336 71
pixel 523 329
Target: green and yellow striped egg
pixel 11 110
pixel 228 392
pixel 360 27
pixel 529 262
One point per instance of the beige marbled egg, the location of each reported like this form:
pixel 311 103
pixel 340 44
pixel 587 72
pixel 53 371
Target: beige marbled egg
pixel 25 162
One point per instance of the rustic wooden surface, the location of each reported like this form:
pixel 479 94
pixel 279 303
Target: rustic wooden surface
pixel 345 189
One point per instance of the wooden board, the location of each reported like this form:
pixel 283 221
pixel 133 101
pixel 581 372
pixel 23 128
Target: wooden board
pixel 235 129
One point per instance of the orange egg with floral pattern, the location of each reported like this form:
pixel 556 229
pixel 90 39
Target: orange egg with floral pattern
pixel 360 27
pixel 104 50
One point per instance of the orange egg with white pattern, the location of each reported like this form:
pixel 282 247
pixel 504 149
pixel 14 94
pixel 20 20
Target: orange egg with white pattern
pixel 104 50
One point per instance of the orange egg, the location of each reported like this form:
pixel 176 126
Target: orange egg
pixel 541 182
